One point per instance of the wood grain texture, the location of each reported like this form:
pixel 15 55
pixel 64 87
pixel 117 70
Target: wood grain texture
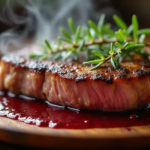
pixel 21 133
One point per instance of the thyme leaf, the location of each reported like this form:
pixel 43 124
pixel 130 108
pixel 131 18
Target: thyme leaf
pixel 98 42
pixel 71 25
pixel 120 22
pixel 135 27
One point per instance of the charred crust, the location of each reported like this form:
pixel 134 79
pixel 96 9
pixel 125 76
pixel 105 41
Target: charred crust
pixel 62 72
pixel 136 70
pixel 108 80
pixel 19 65
pixel 37 67
pixel 140 73
pixel 145 63
pixel 54 69
pixel 98 76
pixel 121 76
pixel 122 73
pixel 76 71
pixel 81 77
pixel 68 75
pixel 147 72
pixel 123 70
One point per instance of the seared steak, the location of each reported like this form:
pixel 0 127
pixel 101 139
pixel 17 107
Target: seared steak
pixel 73 85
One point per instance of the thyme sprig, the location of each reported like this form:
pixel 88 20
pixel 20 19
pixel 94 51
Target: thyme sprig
pixel 112 55
pixel 98 42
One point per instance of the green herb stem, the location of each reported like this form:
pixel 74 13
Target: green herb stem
pixel 108 45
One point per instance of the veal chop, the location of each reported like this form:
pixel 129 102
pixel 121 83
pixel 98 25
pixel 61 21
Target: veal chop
pixel 74 85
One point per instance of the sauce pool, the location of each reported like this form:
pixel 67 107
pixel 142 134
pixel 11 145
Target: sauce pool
pixel 44 114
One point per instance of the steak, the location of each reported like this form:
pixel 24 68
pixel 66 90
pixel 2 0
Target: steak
pixel 72 84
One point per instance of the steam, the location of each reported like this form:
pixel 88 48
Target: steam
pixel 49 18
pixel 41 19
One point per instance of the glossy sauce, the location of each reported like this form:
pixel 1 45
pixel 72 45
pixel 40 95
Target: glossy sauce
pixel 44 114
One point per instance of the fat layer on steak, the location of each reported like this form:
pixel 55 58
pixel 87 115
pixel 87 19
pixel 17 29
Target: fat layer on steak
pixel 74 85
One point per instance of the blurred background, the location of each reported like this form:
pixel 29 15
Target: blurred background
pixel 36 20
pixel 28 21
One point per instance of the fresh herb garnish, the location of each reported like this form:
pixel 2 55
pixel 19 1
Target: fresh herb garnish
pixel 98 42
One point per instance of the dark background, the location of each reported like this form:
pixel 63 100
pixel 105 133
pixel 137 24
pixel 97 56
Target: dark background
pixel 124 8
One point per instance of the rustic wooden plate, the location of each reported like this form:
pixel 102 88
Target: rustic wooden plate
pixel 31 135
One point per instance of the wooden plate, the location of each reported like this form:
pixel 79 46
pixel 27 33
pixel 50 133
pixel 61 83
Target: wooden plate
pixel 31 135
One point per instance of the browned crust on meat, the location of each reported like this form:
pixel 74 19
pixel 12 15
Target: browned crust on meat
pixel 104 88
pixel 79 72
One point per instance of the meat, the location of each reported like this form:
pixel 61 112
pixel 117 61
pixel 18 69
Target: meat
pixel 74 85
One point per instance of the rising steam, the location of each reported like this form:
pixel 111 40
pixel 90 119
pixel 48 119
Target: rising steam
pixel 42 19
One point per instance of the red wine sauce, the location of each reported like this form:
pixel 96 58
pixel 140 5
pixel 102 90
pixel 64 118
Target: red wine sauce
pixel 44 114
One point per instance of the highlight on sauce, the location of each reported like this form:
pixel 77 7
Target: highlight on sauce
pixel 44 114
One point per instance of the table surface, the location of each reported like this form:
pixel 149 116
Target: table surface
pixel 10 146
